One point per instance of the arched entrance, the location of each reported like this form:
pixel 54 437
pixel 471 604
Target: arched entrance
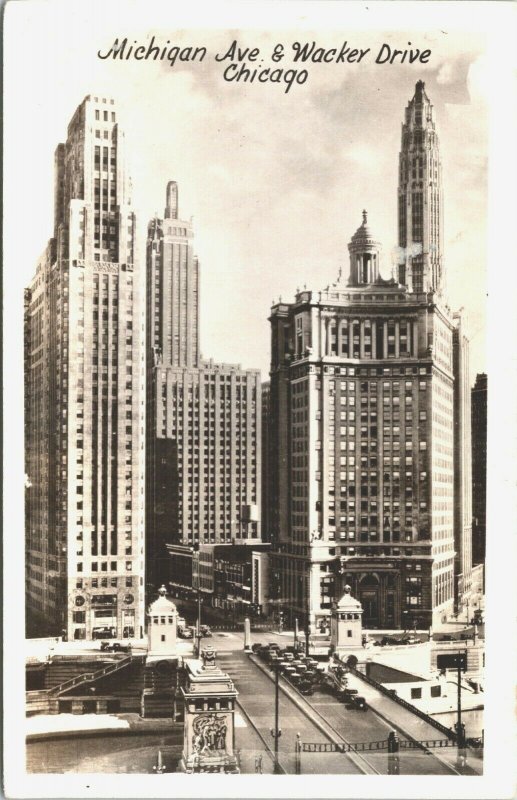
pixel 369 595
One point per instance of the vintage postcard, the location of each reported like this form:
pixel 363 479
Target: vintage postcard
pixel 258 287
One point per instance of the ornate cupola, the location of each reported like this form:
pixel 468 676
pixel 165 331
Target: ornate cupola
pixel 162 623
pixel 346 627
pixel 364 256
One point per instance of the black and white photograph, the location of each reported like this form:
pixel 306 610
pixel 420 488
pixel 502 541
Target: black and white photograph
pixel 258 272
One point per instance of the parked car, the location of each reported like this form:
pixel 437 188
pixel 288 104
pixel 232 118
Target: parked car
pixel 358 702
pixel 115 647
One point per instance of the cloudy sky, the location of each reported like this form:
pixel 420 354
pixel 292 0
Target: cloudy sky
pixel 275 182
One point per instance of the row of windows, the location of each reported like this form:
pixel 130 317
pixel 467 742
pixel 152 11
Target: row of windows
pixel 105 115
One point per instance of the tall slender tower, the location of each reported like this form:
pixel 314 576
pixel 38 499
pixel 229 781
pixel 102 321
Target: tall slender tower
pixel 420 204
pixel 84 374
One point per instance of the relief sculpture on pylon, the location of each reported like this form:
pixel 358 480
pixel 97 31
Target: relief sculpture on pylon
pixel 209 734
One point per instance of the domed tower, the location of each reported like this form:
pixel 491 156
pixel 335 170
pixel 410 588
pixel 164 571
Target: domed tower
pixel 346 627
pixel 162 623
pixel 364 256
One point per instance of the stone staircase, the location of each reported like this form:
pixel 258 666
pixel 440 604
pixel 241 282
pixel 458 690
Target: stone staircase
pixel 159 692
pixel 40 701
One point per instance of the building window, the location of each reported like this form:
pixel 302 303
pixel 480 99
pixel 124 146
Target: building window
pixel 416 694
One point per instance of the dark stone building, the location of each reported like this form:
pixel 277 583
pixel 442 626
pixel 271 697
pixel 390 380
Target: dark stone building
pixel 479 435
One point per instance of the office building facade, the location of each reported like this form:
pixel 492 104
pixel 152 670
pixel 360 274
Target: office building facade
pixel 84 395
pixel 462 462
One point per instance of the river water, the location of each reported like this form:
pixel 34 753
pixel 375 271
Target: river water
pixel 139 753
pixel 115 754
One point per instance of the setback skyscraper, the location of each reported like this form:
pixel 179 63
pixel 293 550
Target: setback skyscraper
pixel 362 404
pixel 84 395
pixel 203 419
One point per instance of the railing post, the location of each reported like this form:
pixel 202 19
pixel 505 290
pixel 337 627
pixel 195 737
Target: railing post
pixel 298 755
pixel 393 754
pixel 276 732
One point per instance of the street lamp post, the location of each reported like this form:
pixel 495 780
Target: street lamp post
pixel 459 725
pixel 198 632
pixel 308 618
pixel 159 767
pixel 276 732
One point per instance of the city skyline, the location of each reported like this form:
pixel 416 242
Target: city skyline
pixel 240 184
pixel 273 185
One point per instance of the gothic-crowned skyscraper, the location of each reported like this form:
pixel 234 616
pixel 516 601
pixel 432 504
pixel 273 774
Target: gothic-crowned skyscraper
pixel 420 204
pixel 84 395
pixel 368 463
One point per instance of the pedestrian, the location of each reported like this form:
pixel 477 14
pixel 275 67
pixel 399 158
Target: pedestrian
pixel 258 764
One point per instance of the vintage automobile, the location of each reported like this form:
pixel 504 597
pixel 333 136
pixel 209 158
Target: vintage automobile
pixel 358 702
pixel 115 647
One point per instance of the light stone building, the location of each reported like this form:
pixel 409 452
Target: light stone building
pixel 84 395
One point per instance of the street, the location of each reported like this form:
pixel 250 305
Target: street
pixel 256 695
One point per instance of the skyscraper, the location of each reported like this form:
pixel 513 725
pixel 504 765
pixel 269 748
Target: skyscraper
pixel 203 419
pixel 479 434
pixel 266 447
pixel 362 417
pixel 84 395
